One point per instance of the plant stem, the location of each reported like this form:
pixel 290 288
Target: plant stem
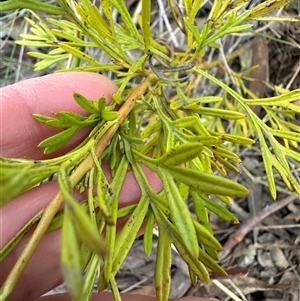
pixel 51 210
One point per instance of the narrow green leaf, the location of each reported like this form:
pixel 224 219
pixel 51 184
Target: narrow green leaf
pixel 102 283
pixel 45 56
pixel 56 141
pixel 207 183
pixel 98 22
pixel 195 8
pixel 127 19
pixel 224 152
pixel 196 35
pixel 267 157
pixel 77 53
pixel 42 118
pixel 118 99
pixel 180 214
pixel 113 149
pixel 148 235
pixel 107 9
pixel 116 186
pixel 144 159
pixel 219 210
pixel 41 65
pixel 205 140
pixel 183 191
pixel 206 237
pixel 181 153
pixel 146 9
pixel 133 139
pixel 163 265
pixel 138 64
pixel 110 239
pixel 211 264
pixel 33 43
pixel 115 289
pixel 287 134
pixel 85 229
pixel 128 233
pixel 124 211
pixel 188 7
pixel 193 277
pixel 86 104
pixel 132 72
pixel 213 253
pixel 70 116
pixel 89 184
pixel 225 31
pixel 225 199
pixel 194 264
pixel 224 114
pixel 101 104
pixel 67 120
pixel 128 152
pixel 185 122
pixel 70 257
pixel 67 36
pixel 200 100
pixel 109 115
pixel 226 164
pixel 12 180
pixel 90 278
pixel 277 100
pixel 32 5
pixel 101 190
pixel 111 230
pixel 149 130
pixel 286 176
pixel 265 7
pixel 235 139
pixel 170 137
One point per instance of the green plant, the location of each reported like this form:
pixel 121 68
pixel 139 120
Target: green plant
pixel 156 120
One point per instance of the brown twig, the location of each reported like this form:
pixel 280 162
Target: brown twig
pixel 251 222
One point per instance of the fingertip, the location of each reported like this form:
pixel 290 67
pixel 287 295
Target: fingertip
pixel 21 133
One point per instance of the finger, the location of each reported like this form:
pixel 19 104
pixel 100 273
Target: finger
pixel 43 271
pixel 20 132
pixel 23 208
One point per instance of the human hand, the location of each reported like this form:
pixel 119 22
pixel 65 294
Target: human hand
pixel 20 135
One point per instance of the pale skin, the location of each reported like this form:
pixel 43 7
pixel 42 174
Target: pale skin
pixel 19 137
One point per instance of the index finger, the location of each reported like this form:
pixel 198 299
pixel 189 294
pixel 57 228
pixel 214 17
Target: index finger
pixel 20 133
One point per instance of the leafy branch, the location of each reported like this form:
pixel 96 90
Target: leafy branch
pixel 157 120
